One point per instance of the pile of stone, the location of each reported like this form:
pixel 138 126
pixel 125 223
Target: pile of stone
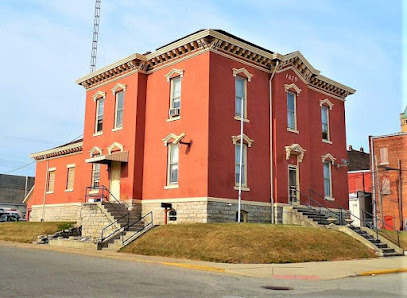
pixel 72 233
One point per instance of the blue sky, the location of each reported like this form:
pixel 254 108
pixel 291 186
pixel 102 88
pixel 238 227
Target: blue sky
pixel 45 47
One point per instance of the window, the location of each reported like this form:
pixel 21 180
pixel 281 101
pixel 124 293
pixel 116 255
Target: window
pixel 95 175
pixel 244 216
pixel 70 177
pixel 175 102
pixel 325 122
pixel 240 97
pixel 386 186
pixel 172 215
pixel 291 111
pixel 173 152
pixel 118 123
pixel 327 180
pixel 237 164
pixel 384 155
pixel 293 184
pixel 99 115
pixel 51 180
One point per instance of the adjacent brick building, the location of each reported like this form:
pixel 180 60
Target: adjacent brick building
pixel 164 127
pixel 389 165
pixel 13 190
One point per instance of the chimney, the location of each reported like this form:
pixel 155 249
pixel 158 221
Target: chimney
pixel 361 149
pixel 350 148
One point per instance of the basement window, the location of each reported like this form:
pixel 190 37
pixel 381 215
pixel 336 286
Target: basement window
pixel 172 215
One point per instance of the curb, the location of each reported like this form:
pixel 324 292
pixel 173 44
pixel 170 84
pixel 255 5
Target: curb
pixel 196 267
pixel 384 271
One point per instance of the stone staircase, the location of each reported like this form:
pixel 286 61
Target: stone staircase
pixel 386 251
pixel 312 214
pixel 136 228
pixel 320 219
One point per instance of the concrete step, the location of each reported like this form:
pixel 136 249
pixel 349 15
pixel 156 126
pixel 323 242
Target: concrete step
pixel 393 254
pixel 381 245
pixel 388 250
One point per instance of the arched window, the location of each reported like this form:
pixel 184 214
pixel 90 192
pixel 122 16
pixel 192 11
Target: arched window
pixel 386 186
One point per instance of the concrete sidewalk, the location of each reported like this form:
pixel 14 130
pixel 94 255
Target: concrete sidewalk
pixel 302 271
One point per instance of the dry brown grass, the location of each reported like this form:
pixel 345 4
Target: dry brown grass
pixel 403 237
pixel 27 232
pixel 248 243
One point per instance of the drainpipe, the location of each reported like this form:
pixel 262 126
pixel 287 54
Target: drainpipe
pixel 271 141
pixel 45 192
pixel 373 181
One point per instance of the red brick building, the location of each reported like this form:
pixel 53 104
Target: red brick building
pixel 164 127
pixel 390 177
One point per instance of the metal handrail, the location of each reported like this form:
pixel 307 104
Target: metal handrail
pixel 129 239
pixel 115 231
pixel 310 200
pixel 383 234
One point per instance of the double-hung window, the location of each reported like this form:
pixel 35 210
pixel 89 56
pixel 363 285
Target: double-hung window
pixel 175 100
pixel 291 111
pixel 70 177
pixel 240 97
pixel 325 122
pixel 242 173
pixel 118 122
pixel 327 179
pixel 51 180
pixel 173 154
pixel 95 175
pixel 99 115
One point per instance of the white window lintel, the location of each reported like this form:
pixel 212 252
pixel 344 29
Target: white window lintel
pixel 173 71
pixel 243 70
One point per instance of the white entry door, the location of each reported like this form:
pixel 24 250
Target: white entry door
pixel 115 169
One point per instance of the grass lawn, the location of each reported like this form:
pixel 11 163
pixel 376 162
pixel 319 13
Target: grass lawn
pixel 27 232
pixel 403 237
pixel 248 243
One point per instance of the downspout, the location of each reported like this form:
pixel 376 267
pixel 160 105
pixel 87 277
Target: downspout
pixel 271 141
pixel 45 192
pixel 373 181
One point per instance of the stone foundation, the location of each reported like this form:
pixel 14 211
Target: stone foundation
pixel 206 211
pixel 56 212
pixel 94 218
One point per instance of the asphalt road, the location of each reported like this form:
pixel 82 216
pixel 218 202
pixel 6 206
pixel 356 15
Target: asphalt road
pixel 42 273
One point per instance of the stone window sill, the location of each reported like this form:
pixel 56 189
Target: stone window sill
pixel 244 188
pixel 171 186
pixel 117 128
pixel 173 119
pixel 329 199
pixel 292 130
pixel 98 133
pixel 49 192
pixel 68 190
pixel 327 141
pixel 244 119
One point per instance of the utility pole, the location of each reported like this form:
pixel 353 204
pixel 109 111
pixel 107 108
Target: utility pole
pixel 95 36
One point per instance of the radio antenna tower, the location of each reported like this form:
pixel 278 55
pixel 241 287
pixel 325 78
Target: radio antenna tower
pixel 95 36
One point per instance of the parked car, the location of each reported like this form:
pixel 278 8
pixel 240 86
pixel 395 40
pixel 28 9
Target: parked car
pixel 11 215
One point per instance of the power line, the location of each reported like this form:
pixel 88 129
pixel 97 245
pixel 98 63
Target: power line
pixel 21 139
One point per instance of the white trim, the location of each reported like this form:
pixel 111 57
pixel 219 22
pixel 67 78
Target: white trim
pixel 239 118
pixel 115 144
pixel 118 86
pixel 98 133
pixel 171 186
pixel 108 81
pixel 329 198
pixel 296 72
pixel 180 72
pixel 236 139
pixel 117 128
pixel 97 149
pixel 72 165
pixel 326 93
pixel 69 190
pixel 176 138
pixel 327 141
pixel 287 88
pixel 243 188
pixel 52 169
pixel 295 111
pixel 243 70
pixel 326 102
pixel 201 199
pixel 99 94
pixel 173 119
pixel 297 182
pixel 292 130
pixel 56 205
pixel 295 149
pixel 328 156
pixel 62 148
pixel 360 171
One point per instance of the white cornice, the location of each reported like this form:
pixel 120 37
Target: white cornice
pixel 67 148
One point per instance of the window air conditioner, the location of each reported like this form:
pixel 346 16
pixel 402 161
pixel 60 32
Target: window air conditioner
pixel 174 112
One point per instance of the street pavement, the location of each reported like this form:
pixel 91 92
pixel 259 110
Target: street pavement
pixel 27 271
